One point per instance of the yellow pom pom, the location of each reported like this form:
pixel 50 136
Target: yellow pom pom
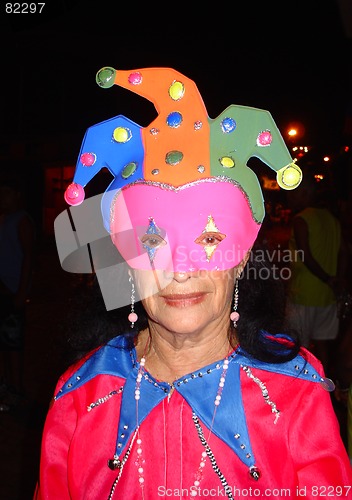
pixel 289 177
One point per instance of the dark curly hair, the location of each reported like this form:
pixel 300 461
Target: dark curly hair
pixel 260 330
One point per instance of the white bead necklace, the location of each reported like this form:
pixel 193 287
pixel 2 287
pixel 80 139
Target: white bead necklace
pixel 139 462
pixel 217 400
pixel 199 474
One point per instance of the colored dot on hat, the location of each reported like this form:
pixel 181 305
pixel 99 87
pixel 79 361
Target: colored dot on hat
pixel 228 125
pixel 135 78
pixel 264 138
pixel 173 157
pixel 122 134
pixel 176 90
pixel 174 119
pixel 227 162
pixel 88 159
pixel 129 169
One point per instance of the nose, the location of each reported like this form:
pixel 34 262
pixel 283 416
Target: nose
pixel 179 276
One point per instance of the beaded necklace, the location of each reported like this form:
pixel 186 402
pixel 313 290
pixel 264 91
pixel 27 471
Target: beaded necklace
pixel 205 443
pixel 207 453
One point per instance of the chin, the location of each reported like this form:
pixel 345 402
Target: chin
pixel 180 322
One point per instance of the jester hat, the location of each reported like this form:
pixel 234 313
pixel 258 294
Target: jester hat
pixel 183 197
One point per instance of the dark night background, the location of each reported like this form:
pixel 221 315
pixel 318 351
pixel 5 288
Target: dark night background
pixel 291 58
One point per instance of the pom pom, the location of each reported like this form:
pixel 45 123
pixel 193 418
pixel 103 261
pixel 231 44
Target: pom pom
pixel 74 194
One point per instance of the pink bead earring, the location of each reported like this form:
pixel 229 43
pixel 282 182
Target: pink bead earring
pixel 234 316
pixel 132 317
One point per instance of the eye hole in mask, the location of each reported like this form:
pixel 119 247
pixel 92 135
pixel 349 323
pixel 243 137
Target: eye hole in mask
pixel 152 240
pixel 210 238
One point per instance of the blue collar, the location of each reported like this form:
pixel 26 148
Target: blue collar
pixel 116 358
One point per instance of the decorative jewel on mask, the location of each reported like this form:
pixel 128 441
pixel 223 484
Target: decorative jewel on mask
pixel 152 240
pixel 210 238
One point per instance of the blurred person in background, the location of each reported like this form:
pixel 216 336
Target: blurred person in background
pixel 318 267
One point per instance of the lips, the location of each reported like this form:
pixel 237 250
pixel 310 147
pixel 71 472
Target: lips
pixel 184 299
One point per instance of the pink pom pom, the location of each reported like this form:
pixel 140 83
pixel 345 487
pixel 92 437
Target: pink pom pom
pixel 74 194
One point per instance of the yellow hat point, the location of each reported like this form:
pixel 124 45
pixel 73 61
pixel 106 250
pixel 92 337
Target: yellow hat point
pixel 289 177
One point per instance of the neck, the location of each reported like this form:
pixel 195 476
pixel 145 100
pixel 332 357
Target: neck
pixel 171 356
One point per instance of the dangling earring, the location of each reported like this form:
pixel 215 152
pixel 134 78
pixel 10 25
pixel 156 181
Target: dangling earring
pixel 132 317
pixel 234 316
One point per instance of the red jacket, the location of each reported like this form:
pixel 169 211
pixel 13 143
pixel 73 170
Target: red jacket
pixel 276 419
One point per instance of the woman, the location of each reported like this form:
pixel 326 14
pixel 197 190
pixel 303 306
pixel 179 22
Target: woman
pixel 196 401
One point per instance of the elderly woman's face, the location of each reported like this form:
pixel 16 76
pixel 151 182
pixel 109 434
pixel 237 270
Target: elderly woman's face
pixel 186 302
